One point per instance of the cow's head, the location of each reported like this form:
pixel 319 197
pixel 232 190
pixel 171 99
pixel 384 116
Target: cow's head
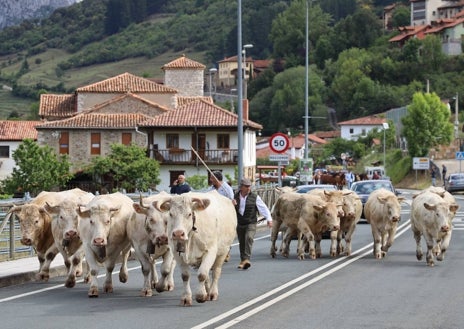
pixel 392 205
pixel 65 217
pixel 327 216
pixel 181 217
pixel 34 222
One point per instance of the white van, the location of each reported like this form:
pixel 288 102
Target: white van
pixel 370 171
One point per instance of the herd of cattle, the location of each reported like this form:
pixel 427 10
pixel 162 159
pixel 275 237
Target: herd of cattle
pixel 196 230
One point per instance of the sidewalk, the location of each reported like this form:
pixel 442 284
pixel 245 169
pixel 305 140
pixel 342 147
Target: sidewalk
pixel 24 269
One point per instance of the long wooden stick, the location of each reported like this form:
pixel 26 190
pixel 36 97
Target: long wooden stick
pixel 204 164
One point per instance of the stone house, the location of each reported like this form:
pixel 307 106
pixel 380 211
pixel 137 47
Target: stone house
pixel 170 120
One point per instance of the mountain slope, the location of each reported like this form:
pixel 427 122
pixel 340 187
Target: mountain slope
pixel 13 12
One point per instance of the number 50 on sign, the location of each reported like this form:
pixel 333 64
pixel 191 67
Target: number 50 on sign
pixel 279 143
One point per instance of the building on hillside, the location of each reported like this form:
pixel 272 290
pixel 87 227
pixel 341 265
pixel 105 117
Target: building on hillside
pixel 12 133
pixel 434 17
pixel 360 127
pixel 227 71
pixel 171 121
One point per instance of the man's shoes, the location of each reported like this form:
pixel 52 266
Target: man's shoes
pixel 227 257
pixel 247 264
pixel 244 264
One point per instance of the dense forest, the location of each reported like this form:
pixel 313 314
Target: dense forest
pixel 353 68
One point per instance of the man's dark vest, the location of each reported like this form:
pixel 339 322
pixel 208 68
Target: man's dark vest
pixel 249 216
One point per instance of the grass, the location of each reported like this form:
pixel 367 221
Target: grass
pixel 10 103
pixel 42 69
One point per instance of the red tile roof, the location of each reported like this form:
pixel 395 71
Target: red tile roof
pixel 183 63
pixel 98 121
pixel 182 100
pixel 368 121
pixel 128 96
pixel 198 114
pixel 18 130
pixel 126 82
pixel 57 105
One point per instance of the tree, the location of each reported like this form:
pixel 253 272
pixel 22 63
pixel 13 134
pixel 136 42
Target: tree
pixel 129 167
pixel 37 169
pixel 427 124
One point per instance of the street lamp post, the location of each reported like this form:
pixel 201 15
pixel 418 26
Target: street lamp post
pixel 211 72
pixel 385 127
pixel 240 92
pixel 245 69
pixel 456 119
pixel 232 109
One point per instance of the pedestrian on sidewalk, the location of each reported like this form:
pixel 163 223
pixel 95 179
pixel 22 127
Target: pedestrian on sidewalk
pixel 433 174
pixel 443 172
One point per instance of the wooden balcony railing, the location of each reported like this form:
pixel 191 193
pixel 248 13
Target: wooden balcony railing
pixel 184 156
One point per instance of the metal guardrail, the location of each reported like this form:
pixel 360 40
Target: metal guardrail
pixel 10 232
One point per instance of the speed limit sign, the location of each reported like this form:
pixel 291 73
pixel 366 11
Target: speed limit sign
pixel 279 143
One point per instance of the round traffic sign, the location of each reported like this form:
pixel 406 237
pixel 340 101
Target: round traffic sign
pixel 279 143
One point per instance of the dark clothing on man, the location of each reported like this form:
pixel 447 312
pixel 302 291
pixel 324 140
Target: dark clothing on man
pixel 180 188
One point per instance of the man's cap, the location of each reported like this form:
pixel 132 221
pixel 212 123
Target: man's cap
pixel 245 181
pixel 218 175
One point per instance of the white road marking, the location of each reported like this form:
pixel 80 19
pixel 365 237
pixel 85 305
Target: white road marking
pixel 347 261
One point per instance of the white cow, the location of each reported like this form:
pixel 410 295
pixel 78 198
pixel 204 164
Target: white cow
pixel 383 211
pixel 103 231
pixel 430 217
pixel 63 210
pixel 352 210
pixel 201 229
pixel 36 230
pixel 148 235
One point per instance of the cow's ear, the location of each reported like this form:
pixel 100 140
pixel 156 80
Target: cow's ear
pixel 163 207
pixel 42 210
pixel 200 204
pixel 454 207
pixel 139 208
pixel 15 209
pixel 430 206
pixel 83 211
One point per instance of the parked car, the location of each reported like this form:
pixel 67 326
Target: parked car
pixel 365 187
pixel 455 182
pixel 307 188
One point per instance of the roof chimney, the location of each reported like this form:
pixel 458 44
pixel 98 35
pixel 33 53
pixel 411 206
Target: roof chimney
pixel 245 109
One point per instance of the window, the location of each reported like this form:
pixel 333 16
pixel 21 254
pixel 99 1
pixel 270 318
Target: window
pixel 95 144
pixel 64 143
pixel 223 141
pixel 363 132
pixel 351 131
pixel 172 141
pixel 4 151
pixel 126 138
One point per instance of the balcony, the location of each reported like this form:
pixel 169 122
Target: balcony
pixel 184 156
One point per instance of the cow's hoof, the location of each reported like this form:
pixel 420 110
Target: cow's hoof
pixel 108 288
pixel 186 301
pixel 213 296
pixel 146 293
pixel 200 298
pixel 70 283
pixel 93 292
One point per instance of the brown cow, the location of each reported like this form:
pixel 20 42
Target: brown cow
pixel 36 230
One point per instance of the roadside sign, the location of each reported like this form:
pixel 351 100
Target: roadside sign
pixel 279 143
pixel 459 155
pixel 421 163
pixel 306 171
pixel 278 157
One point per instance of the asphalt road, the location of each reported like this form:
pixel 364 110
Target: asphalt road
pixel 345 292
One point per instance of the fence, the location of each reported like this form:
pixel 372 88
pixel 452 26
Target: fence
pixel 10 232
